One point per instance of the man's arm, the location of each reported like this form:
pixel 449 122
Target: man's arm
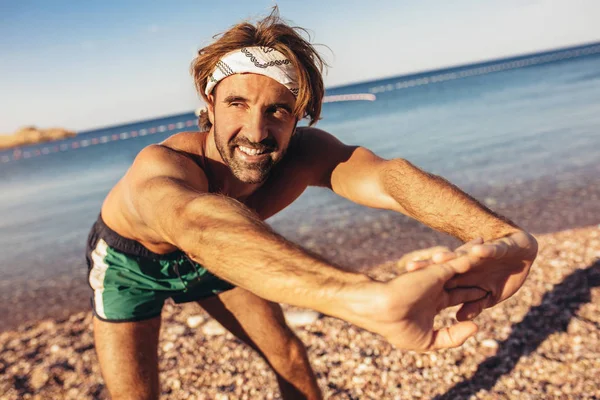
pixel 364 178
pixel 359 175
pixel 232 242
pixel 172 199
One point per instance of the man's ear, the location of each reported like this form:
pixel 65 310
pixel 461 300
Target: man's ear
pixel 210 107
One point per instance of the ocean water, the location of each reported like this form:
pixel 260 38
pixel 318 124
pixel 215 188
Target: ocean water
pixel 491 124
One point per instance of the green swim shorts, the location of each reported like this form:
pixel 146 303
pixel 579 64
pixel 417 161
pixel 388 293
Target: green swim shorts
pixel 131 283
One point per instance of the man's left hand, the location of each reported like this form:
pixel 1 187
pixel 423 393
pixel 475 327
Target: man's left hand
pixel 507 261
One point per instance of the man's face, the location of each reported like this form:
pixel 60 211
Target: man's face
pixel 253 124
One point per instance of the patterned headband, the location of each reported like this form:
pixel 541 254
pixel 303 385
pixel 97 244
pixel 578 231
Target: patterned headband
pixel 255 60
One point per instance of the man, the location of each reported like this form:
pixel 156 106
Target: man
pixel 186 221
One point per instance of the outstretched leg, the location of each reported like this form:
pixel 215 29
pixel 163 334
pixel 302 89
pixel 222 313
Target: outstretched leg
pixel 128 357
pixel 261 324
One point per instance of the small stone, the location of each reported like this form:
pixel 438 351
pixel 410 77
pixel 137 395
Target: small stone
pixel 213 328
pixel 39 377
pixel 168 346
pixel 489 347
pixel 195 321
pixel 176 329
pixel 176 384
pixel 490 343
pixel 301 318
pixel 54 349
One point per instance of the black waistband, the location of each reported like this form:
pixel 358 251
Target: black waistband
pixel 128 246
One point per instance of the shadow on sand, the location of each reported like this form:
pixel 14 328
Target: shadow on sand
pixel 552 315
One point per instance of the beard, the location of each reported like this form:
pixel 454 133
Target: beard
pixel 249 172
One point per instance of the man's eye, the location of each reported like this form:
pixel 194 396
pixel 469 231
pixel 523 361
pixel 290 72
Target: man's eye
pixel 279 111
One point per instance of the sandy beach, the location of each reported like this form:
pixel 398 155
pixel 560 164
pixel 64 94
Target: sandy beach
pixel 544 342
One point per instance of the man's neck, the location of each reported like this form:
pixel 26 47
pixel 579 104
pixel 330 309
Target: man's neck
pixel 220 175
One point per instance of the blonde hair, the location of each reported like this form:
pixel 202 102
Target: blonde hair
pixel 274 32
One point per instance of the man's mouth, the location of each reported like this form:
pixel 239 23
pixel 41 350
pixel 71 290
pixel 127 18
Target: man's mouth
pixel 251 151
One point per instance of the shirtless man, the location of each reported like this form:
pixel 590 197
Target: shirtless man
pixel 186 222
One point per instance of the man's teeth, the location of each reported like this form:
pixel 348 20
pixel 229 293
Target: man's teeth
pixel 249 151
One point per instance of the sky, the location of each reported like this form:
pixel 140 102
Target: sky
pixel 88 64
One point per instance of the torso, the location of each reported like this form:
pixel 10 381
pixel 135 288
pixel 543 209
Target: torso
pixel 287 181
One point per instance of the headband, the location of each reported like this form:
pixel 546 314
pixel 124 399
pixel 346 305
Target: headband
pixel 255 60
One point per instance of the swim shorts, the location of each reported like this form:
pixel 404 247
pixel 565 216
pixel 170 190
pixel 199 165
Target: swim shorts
pixel 131 283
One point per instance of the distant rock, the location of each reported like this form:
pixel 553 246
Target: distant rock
pixel 32 135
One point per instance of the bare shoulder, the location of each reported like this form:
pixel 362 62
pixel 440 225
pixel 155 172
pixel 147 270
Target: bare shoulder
pixel 159 173
pixel 177 157
pixel 168 166
pixel 188 141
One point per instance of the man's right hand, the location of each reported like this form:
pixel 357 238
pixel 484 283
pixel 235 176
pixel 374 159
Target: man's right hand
pixel 403 309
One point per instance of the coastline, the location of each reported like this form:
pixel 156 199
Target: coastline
pixel 543 342
pixel 31 135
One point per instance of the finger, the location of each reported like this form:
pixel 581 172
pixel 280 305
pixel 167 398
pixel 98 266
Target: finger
pixel 465 248
pixel 451 284
pixel 465 295
pixel 468 311
pixel 468 280
pixel 437 258
pixel 499 248
pixel 452 336
pixel 519 244
pixel 457 265
pixel 442 257
pixel 415 265
pixel 468 245
pixel 419 255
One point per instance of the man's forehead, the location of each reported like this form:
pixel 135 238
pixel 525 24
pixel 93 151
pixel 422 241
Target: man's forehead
pixel 250 85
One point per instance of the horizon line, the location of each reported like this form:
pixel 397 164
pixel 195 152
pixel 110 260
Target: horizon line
pixel 362 82
pixel 469 64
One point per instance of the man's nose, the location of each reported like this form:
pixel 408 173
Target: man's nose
pixel 257 127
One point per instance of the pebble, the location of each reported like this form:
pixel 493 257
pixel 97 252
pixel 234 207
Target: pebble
pixel 524 349
pixel 490 343
pixel 39 377
pixel 213 328
pixel 195 321
pixel 176 329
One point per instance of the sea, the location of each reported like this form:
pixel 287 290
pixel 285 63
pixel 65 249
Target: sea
pixel 498 130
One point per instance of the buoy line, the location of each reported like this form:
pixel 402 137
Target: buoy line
pixel 18 153
pixel 487 69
